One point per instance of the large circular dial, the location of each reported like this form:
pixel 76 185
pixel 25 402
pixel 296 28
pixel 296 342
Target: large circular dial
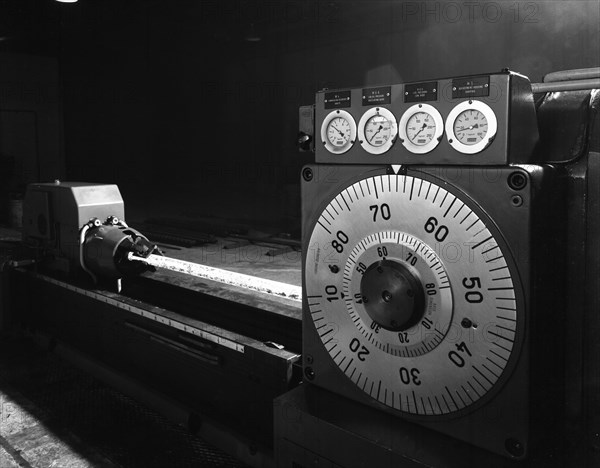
pixel 413 295
pixel 338 132
pixel 377 130
pixel 421 128
pixel 471 126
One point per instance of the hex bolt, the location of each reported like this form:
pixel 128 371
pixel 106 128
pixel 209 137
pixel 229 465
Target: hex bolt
pixel 307 174
pixel 517 180
pixel 514 447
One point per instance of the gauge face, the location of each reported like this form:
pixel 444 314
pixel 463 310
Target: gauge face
pixel 421 128
pixel 471 127
pixel 412 295
pixel 338 132
pixel 377 130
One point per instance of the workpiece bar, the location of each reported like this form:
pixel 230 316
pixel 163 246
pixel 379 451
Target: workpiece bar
pixel 254 283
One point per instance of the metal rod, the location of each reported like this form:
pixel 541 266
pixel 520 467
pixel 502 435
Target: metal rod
pixel 569 75
pixel 565 86
pixel 254 283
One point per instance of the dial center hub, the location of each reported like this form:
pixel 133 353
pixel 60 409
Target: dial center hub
pixel 392 295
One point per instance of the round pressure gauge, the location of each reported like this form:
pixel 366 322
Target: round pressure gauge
pixel 377 130
pixel 471 126
pixel 338 132
pixel 413 293
pixel 421 128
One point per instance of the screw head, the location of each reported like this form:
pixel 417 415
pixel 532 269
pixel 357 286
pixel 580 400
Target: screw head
pixel 514 447
pixel 309 373
pixel 517 180
pixel 307 174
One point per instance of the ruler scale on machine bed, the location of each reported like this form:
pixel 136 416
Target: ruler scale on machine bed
pixel 254 283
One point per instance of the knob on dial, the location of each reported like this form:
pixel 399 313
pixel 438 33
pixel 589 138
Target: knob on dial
pixel 392 296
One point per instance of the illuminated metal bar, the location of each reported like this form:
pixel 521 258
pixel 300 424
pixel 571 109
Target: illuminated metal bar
pixel 254 283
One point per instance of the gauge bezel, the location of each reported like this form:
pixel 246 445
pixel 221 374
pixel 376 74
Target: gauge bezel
pixel 489 136
pixel 325 125
pixel 439 128
pixel 373 111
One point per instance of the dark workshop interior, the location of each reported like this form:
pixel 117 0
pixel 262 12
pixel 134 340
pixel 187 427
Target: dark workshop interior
pixel 193 196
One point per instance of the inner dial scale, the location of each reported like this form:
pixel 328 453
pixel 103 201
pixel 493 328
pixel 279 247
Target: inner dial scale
pixel 338 132
pixel 397 283
pixel 377 130
pixel 471 126
pixel 411 295
pixel 420 128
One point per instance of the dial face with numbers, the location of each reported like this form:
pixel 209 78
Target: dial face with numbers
pixel 338 132
pixel 377 130
pixel 420 128
pixel 411 290
pixel 471 126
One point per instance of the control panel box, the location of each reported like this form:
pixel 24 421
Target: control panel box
pixel 475 120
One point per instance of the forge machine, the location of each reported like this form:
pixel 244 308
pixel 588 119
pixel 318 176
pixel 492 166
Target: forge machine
pixel 436 296
pixel 448 314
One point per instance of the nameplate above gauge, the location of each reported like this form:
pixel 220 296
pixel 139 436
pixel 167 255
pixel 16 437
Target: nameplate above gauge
pixel 471 120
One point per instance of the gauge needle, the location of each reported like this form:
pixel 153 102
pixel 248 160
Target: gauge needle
pixel 378 130
pixel 467 128
pixel 339 131
pixel 422 128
